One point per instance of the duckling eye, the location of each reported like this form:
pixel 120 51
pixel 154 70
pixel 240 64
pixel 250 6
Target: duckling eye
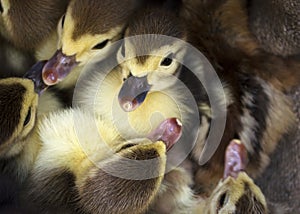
pixel 222 201
pixel 123 50
pixel 101 45
pixel 63 20
pixel 167 61
pixel 28 117
pixel 1 8
pixel 127 146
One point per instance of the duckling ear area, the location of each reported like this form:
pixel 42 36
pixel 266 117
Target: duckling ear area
pixel 16 97
pixel 119 195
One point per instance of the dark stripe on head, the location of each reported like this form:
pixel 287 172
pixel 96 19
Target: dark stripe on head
pixel 153 22
pixel 43 15
pixel 11 101
pixel 249 203
pixel 1 8
pixel 98 17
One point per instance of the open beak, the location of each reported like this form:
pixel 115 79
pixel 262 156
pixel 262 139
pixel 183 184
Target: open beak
pixel 169 131
pixel 133 93
pixel 57 68
pixel 35 74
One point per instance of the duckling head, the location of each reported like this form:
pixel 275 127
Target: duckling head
pixel 152 49
pixel 18 109
pixel 237 195
pixel 237 192
pixel 18 103
pixel 87 29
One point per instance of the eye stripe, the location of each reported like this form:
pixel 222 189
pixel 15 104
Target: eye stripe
pixel 28 117
pixel 63 20
pixel 101 45
pixel 1 8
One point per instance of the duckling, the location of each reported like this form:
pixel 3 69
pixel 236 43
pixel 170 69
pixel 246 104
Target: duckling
pixel 30 24
pixel 236 195
pixel 92 169
pixel 236 192
pixel 252 92
pixel 87 28
pixel 100 96
pixel 19 111
pixel 17 123
pixel 276 25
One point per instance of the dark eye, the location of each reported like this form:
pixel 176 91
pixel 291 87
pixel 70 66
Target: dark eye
pixel 1 8
pixel 101 45
pixel 127 146
pixel 123 50
pixel 222 201
pixel 28 117
pixel 63 20
pixel 167 61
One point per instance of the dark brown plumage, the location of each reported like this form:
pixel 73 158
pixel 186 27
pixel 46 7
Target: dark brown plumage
pixel 276 25
pixel 18 107
pixel 96 18
pixel 258 111
pixel 28 23
pixel 247 72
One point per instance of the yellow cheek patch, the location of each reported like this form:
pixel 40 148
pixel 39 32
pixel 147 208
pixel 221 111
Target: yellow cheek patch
pixel 139 69
pixel 82 46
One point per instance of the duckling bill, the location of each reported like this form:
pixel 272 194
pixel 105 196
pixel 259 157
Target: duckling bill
pixel 133 93
pixel 58 67
pixel 35 74
pixel 236 159
pixel 169 131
